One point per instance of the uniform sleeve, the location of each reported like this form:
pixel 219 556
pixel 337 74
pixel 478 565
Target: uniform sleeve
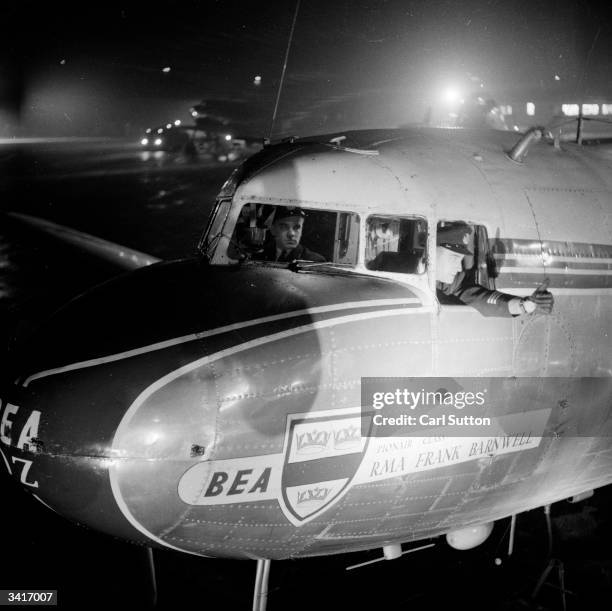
pixel 487 301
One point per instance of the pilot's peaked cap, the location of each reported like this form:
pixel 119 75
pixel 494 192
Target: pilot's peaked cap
pixel 283 212
pixel 455 236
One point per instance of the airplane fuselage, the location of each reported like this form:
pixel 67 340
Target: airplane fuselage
pixel 215 406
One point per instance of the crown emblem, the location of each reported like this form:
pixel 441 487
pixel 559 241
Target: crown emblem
pixel 312 441
pixel 347 437
pixel 313 495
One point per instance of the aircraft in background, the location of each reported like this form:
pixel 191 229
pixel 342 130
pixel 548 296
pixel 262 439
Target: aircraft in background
pixel 213 405
pixel 211 135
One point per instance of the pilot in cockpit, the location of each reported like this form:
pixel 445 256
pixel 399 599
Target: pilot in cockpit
pixel 459 284
pixel 286 232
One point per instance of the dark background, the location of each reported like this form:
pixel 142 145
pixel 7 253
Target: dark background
pixel 96 69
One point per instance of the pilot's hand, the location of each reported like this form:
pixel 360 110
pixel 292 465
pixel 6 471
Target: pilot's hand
pixel 542 298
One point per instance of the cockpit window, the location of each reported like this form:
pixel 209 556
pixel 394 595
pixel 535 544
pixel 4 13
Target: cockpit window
pixel 265 232
pixel 396 244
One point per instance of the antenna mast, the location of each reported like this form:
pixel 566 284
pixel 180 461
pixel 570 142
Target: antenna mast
pixel 280 85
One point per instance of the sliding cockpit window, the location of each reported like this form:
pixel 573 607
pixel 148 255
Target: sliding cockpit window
pixel 396 244
pixel 265 232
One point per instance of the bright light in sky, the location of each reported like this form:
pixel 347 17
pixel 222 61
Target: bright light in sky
pixel 166 69
pixel 451 95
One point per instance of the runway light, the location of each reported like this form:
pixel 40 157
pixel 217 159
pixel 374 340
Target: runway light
pixel 160 130
pixel 194 113
pixel 530 108
pixel 158 141
pixel 168 125
pixel 148 131
pixel 144 141
pixel 177 122
pixel 228 137
pixel 557 77
pixel 166 69
pixel 257 80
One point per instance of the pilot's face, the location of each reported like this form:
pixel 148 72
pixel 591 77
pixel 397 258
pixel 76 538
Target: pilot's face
pixel 287 232
pixel 448 264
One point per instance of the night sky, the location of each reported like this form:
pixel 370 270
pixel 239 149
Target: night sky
pixel 97 70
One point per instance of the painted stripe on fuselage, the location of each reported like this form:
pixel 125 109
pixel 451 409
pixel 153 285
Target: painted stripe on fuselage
pixel 509 246
pixel 554 270
pixel 410 302
pixel 568 280
pixel 527 257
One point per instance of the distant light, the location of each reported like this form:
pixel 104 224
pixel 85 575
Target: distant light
pixel 570 110
pixel 516 128
pixel 166 69
pixel 63 62
pixel 482 85
pixel 160 130
pixel 228 137
pixel 148 131
pixel 557 77
pixel 530 108
pixel 158 141
pixel 177 122
pixel 144 141
pixel 168 125
pixel 590 109
pixel 194 113
pixel 451 95
pixel 257 80
pixel 606 109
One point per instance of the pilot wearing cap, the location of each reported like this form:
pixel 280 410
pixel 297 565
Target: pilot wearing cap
pixel 287 233
pixel 455 283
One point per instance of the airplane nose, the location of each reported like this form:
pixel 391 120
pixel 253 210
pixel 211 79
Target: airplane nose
pixel 94 444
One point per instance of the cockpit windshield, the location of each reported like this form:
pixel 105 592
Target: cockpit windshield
pixel 265 232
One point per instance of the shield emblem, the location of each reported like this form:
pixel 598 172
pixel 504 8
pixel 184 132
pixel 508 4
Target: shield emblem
pixel 322 455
